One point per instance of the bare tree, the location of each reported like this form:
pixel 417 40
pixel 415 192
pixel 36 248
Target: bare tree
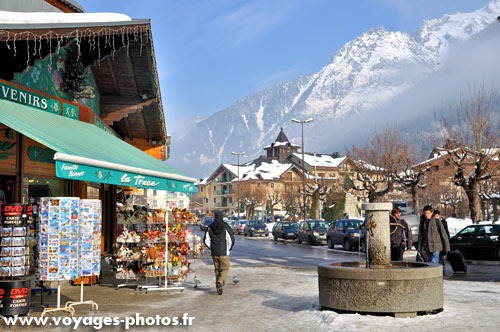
pixel 378 161
pixel 274 197
pixel 317 194
pixel 473 132
pixel 490 193
pixel 412 170
pixel 292 199
pixel 252 197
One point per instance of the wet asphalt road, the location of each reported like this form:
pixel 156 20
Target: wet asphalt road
pixel 262 251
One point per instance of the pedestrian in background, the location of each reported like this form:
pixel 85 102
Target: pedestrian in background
pixel 401 236
pixel 219 238
pixel 432 237
pixel 443 221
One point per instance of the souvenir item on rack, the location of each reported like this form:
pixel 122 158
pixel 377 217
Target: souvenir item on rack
pixel 90 237
pixel 14 237
pixel 58 240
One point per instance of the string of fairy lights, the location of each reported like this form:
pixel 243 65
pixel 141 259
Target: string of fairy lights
pixel 136 33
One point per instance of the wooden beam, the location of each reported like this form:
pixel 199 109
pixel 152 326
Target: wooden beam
pixel 127 125
pixel 113 77
pixel 113 113
pixel 144 123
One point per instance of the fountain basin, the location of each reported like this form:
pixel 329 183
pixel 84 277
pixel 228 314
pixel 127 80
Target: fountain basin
pixel 403 290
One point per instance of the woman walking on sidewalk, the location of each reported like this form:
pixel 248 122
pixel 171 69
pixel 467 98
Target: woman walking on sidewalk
pixel 219 238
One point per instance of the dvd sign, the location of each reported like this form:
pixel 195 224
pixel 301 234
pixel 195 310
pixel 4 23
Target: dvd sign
pixel 14 297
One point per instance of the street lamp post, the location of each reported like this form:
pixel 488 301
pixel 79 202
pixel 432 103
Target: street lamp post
pixel 238 154
pixel 303 168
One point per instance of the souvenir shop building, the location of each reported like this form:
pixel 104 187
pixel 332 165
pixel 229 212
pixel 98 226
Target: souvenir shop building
pixel 80 110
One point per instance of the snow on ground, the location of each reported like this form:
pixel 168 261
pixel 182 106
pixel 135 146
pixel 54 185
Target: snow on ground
pixel 280 299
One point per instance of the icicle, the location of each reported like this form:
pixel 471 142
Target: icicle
pixel 40 47
pixel 114 50
pixel 7 41
pixel 34 47
pixel 28 46
pixel 141 41
pixel 15 49
pixel 99 50
pixel 128 44
pixel 78 46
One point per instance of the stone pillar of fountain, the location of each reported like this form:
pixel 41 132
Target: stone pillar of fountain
pixel 378 236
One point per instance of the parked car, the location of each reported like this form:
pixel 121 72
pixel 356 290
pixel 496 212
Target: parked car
pixel 312 231
pixel 256 228
pixel 345 232
pixel 478 241
pixel 206 222
pixel 230 223
pixel 239 227
pixel 285 230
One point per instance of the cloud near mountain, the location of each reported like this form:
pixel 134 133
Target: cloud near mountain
pixel 379 76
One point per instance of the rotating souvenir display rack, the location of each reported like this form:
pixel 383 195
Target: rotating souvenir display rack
pixel 69 243
pixel 176 261
pixel 16 247
pixel 141 245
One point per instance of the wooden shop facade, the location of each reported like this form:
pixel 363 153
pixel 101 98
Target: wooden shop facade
pixel 81 113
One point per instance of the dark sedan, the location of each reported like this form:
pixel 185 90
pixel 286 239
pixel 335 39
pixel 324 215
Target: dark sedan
pixel 312 231
pixel 286 230
pixel 344 232
pixel 478 241
pixel 256 228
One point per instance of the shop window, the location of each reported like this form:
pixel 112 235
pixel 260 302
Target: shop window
pixel 42 187
pixel 92 192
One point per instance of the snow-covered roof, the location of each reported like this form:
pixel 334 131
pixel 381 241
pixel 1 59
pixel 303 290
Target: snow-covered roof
pixel 256 169
pixel 201 182
pixel 320 160
pixel 7 17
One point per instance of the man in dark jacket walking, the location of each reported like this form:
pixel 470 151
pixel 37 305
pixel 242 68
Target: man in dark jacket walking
pixel 401 236
pixel 432 237
pixel 219 238
pixel 443 221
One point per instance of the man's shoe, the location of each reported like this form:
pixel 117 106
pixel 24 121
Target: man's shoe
pixel 219 288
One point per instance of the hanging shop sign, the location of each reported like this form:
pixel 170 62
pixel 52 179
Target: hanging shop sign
pixel 74 171
pixel 38 101
pixel 37 153
pixel 43 102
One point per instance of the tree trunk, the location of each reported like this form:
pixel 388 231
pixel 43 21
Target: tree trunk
pixel 271 206
pixel 315 205
pixel 495 209
pixel 414 196
pixel 474 203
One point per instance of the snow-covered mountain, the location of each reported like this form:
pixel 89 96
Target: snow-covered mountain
pixel 366 74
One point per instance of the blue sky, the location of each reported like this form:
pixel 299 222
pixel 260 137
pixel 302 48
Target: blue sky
pixel 210 53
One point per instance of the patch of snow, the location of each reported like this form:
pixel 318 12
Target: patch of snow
pixel 46 17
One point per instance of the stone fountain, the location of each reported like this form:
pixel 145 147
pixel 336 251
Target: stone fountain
pixel 379 286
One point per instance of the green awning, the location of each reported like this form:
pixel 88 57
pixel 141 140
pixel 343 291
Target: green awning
pixel 87 153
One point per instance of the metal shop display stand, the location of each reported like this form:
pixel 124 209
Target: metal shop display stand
pixel 172 267
pixel 139 232
pixel 89 263
pixel 69 244
pixel 15 241
pixel 166 287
